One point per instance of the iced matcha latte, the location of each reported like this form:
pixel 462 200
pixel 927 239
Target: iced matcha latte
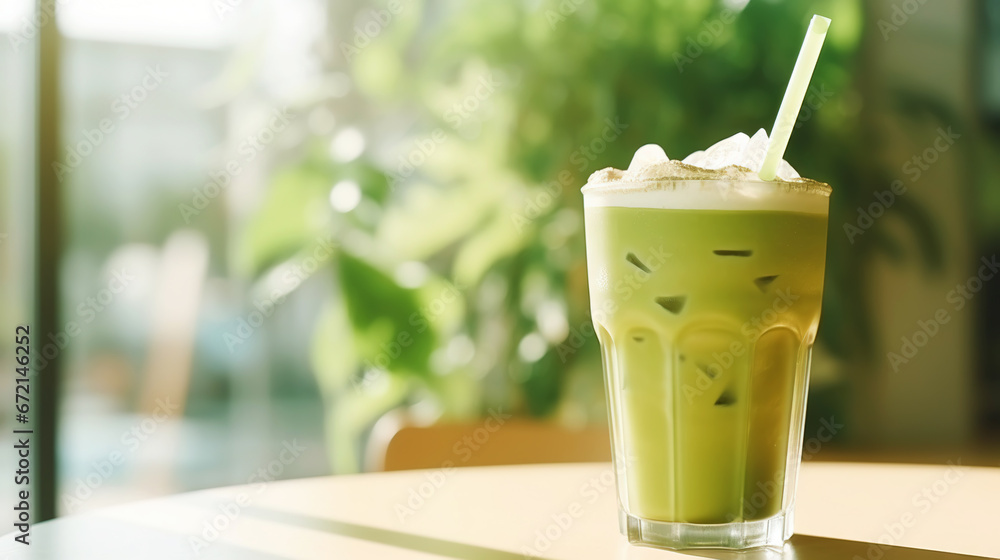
pixel 706 278
pixel 705 287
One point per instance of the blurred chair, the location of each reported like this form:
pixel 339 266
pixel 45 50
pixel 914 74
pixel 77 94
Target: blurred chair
pixel 486 442
pixel 396 444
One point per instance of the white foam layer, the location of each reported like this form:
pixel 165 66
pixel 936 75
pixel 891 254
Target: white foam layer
pixel 803 196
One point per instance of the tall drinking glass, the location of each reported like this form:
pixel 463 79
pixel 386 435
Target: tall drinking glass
pixel 705 295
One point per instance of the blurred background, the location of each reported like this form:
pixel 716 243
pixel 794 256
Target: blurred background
pixel 239 227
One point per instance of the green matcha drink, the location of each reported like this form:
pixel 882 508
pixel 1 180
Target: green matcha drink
pixel 705 289
pixel 706 279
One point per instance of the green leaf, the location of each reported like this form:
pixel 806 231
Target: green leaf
pixel 929 238
pixel 332 354
pixel 500 238
pixel 429 219
pixel 353 413
pixel 391 332
pixel 460 394
pixel 542 385
pixel 443 304
pixel 294 213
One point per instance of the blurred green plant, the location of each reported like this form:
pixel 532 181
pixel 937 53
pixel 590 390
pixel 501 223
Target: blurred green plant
pixel 461 281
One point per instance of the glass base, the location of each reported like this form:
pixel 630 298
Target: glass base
pixel 770 532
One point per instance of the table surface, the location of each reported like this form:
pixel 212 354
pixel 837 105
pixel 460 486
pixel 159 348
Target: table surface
pixel 511 513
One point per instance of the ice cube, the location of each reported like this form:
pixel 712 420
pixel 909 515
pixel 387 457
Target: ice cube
pixel 694 158
pixel 754 151
pixel 636 262
pixel 709 371
pixel 734 252
pixel 673 304
pixel 730 157
pixel 719 155
pixel 726 398
pixel 786 171
pixel 763 282
pixel 647 155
